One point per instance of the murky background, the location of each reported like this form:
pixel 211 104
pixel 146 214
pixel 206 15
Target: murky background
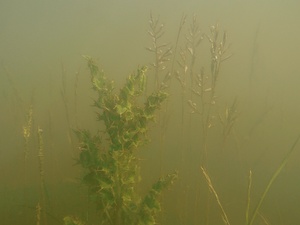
pixel 42 43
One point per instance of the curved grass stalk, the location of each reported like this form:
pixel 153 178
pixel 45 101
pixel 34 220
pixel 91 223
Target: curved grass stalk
pixel 248 196
pixel 273 178
pixel 212 189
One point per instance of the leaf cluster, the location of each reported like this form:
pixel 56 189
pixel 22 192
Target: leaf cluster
pixel 125 120
pixel 112 174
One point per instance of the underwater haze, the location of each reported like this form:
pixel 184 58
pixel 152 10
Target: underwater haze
pixel 221 97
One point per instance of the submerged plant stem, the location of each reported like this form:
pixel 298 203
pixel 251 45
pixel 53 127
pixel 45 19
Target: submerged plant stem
pixel 248 197
pixel 273 178
pixel 212 189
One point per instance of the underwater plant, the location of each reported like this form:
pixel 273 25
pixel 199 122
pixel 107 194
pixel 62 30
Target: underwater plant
pixel 251 218
pixel 111 167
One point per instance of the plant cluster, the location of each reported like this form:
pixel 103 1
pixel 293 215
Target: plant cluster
pixel 111 165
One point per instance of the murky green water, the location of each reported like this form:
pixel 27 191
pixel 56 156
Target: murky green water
pixel 232 106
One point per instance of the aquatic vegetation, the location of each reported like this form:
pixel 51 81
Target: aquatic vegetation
pixel 161 51
pixel 203 122
pixel 41 207
pixel 270 183
pixel 111 167
pixel 214 192
pixel 249 220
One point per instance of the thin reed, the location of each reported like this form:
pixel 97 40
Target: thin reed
pixel 38 214
pixel 162 51
pixel 214 192
pixel 65 99
pixel 248 196
pixel 41 158
pixel 27 132
pixel 273 178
